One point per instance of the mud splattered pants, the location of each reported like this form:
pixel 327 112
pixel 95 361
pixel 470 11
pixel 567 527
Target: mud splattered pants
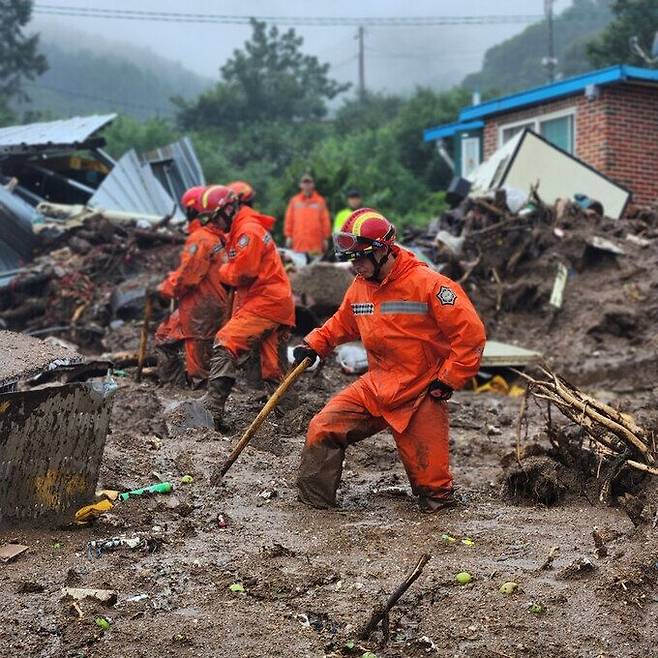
pixel 242 333
pixel 422 446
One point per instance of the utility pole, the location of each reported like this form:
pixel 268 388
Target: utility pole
pixel 550 61
pixel 362 64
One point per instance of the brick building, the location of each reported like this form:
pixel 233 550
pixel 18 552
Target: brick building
pixel 606 118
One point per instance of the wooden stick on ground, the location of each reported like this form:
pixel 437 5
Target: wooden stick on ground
pixel 144 338
pixel 288 381
pixel 381 614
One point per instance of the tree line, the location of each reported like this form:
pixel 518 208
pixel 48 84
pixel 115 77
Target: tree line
pixel 267 119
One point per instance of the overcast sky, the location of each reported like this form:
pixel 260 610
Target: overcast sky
pixel 397 58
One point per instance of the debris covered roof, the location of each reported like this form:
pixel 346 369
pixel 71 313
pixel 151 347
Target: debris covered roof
pixel 23 356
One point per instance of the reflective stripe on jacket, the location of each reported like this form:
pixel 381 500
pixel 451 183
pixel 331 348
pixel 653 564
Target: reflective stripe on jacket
pixel 416 326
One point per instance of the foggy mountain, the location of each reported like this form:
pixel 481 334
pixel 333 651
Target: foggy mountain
pixel 136 66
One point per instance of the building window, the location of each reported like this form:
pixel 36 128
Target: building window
pixel 556 128
pixel 470 155
pixel 513 131
pixel 559 132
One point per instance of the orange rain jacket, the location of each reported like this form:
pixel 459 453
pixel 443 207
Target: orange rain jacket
pixel 197 287
pixel 416 325
pixel 307 222
pixel 255 270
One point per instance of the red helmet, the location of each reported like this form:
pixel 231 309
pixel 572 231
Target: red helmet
pixel 191 199
pixel 217 197
pixel 364 231
pixel 245 192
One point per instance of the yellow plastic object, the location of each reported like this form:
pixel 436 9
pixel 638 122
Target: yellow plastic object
pixel 498 384
pixel 90 512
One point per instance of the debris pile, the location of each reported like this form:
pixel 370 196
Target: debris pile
pixel 89 280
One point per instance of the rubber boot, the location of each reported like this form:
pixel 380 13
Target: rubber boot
pixel 171 368
pixel 215 401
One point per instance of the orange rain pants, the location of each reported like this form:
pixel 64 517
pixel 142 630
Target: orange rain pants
pixel 245 330
pixel 422 446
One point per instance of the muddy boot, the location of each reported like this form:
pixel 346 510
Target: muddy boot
pixel 215 401
pixel 222 376
pixel 171 368
pixel 319 474
pixel 433 505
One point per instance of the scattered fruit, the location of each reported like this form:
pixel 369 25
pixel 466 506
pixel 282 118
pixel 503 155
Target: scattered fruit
pixel 186 479
pixel 236 587
pixel 536 608
pixel 463 578
pixel 508 587
pixel 103 623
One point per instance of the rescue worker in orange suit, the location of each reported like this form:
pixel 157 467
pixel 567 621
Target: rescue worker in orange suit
pixel 201 298
pixel 263 310
pixel 307 226
pixel 424 340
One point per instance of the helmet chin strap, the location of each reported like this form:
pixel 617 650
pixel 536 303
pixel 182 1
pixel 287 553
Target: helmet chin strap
pixel 228 220
pixel 377 264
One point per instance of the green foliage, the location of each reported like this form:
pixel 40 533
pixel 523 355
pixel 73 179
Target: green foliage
pixel 516 63
pixel 19 58
pixel 269 80
pixel 126 133
pixel 265 122
pixel 632 18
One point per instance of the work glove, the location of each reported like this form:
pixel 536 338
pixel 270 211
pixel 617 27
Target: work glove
pixel 301 352
pixel 440 391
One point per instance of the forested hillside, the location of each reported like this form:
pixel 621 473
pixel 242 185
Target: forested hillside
pixel 85 77
pixel 517 63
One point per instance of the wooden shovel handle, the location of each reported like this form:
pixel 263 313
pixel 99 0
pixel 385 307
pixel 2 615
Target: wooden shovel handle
pixel 288 381
pixel 144 338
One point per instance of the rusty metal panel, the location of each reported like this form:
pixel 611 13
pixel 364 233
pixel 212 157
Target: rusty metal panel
pixel 51 446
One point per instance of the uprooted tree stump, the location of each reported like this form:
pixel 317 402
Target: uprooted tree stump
pixel 615 440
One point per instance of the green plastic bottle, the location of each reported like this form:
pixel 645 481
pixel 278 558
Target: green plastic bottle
pixel 161 487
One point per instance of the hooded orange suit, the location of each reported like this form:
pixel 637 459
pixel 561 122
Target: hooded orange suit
pixel 417 326
pixel 263 296
pixel 201 298
pixel 307 223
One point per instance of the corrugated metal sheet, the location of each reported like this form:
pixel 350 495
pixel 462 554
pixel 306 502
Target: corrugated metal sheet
pixel 17 238
pixel 132 187
pixel 49 134
pixel 176 166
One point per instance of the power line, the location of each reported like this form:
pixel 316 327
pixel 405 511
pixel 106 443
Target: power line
pixel 318 21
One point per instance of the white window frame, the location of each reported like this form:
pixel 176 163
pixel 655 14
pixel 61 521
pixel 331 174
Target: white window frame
pixel 539 118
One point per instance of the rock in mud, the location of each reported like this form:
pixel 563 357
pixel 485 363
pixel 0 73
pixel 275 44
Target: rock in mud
pixel 182 416
pixel 577 569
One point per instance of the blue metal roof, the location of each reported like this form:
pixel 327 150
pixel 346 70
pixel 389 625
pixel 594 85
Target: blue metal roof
pixel 553 91
pixel 449 129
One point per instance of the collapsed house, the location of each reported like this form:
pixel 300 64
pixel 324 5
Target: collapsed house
pixel 57 171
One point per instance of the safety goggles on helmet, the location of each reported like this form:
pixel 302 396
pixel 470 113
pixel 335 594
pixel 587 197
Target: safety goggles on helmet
pixel 349 246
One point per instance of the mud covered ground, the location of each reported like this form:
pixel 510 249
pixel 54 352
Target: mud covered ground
pixel 311 578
